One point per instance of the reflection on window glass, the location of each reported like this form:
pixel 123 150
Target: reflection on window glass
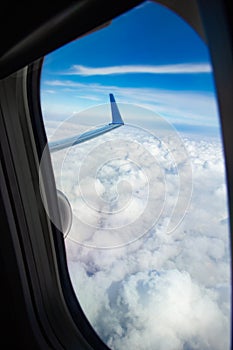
pixel 148 250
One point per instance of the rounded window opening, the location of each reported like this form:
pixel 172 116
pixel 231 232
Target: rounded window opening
pixel 148 250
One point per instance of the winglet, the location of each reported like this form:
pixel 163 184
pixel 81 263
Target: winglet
pixel 116 116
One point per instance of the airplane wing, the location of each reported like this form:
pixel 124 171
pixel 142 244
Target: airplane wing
pixel 74 140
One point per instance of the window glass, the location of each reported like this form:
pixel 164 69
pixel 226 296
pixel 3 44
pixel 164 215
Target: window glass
pixel 148 250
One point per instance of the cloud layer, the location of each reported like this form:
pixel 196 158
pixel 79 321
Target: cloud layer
pixel 163 291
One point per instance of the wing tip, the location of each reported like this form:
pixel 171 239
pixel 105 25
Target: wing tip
pixel 112 98
pixel 116 116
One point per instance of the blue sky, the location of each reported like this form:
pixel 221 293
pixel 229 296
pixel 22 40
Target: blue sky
pixel 149 57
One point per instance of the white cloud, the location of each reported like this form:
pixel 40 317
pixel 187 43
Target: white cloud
pixel 181 68
pixel 184 314
pixel 164 291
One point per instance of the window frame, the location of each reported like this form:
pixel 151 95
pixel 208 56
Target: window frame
pixel 50 309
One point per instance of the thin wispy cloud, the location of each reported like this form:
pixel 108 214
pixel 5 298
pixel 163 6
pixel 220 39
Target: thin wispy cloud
pixel 189 107
pixel 181 68
pixel 48 91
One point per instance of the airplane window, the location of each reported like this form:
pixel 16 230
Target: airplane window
pixel 132 121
